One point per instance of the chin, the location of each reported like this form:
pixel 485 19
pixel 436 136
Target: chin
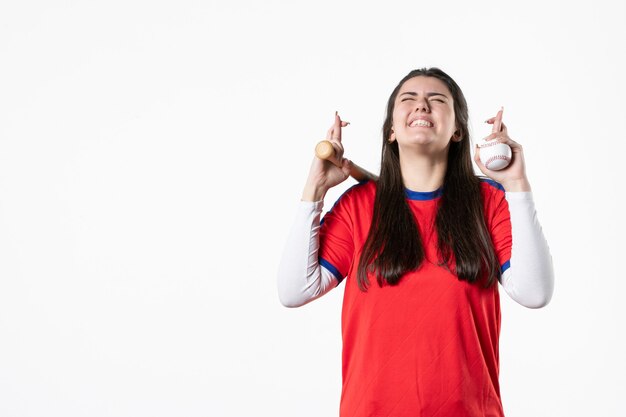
pixel 419 140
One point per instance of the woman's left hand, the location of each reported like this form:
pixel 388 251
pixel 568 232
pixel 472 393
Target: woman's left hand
pixel 513 177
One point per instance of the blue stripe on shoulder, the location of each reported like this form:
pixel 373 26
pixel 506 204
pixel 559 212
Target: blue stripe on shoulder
pixel 505 266
pixel 331 268
pixel 341 196
pixel 492 183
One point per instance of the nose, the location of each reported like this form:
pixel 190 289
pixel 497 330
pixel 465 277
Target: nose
pixel 421 104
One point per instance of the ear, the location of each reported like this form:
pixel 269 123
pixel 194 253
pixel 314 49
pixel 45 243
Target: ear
pixel 456 137
pixel 392 137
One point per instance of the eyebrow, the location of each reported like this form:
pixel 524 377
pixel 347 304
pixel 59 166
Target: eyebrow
pixel 430 94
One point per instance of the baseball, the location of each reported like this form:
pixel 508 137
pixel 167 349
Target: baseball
pixel 495 155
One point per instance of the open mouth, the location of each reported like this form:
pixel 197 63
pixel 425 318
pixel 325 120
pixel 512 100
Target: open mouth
pixel 420 123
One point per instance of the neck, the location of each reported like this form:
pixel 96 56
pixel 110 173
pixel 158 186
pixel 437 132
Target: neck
pixel 421 172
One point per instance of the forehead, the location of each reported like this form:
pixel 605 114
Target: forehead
pixel 422 85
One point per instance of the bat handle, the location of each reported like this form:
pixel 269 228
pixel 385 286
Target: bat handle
pixel 324 150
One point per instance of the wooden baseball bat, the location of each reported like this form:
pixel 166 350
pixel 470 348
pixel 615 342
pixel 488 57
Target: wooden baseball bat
pixel 324 150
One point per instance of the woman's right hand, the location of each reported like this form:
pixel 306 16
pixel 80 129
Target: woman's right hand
pixel 325 174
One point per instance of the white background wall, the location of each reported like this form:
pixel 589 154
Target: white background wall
pixel 152 154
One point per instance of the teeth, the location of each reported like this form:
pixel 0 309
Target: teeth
pixel 420 122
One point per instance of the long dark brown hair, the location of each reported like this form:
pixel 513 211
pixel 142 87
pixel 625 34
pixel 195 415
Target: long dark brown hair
pixel 394 246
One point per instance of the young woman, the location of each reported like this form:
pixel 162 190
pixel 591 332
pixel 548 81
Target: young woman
pixel 422 251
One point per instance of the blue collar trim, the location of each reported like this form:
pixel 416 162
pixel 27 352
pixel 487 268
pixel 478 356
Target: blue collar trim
pixel 423 195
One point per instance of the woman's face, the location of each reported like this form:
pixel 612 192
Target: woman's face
pixel 423 115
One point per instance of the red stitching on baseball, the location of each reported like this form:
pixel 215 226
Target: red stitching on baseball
pixel 496 157
pixel 490 143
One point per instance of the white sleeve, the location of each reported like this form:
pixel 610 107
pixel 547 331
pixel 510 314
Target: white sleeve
pixel 529 280
pixel 301 279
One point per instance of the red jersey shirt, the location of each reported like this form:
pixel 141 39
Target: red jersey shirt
pixel 428 346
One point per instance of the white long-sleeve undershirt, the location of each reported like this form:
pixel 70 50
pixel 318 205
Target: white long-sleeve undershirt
pixel 529 280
